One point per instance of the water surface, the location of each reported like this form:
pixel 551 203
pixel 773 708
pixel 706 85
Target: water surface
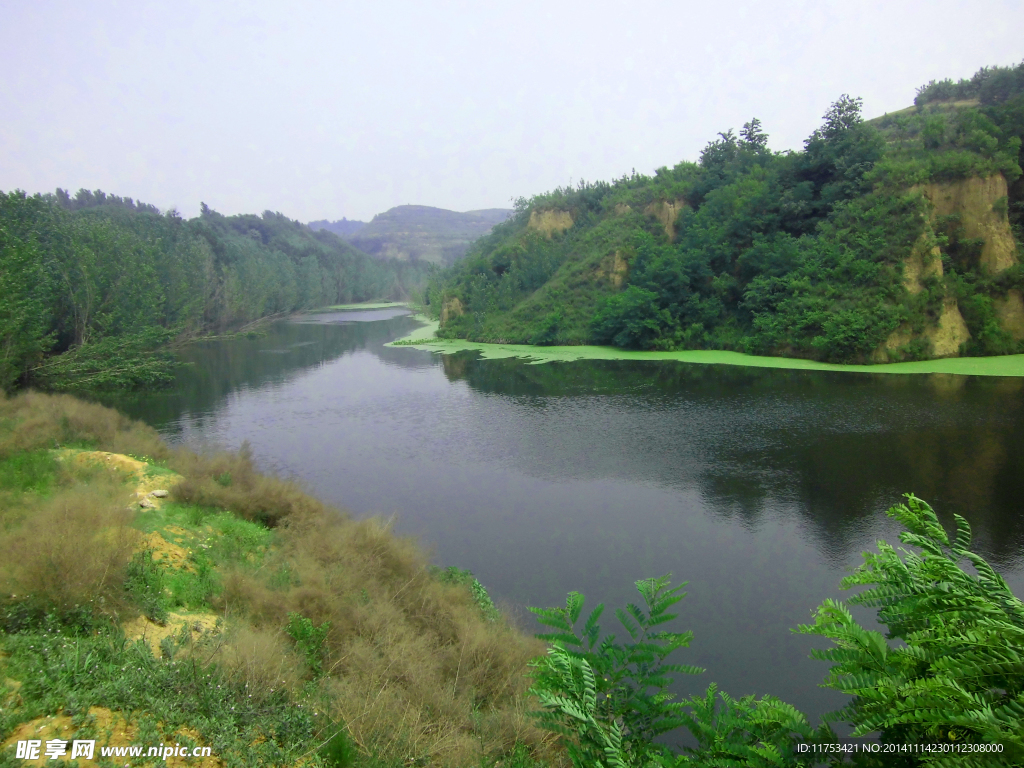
pixel 759 487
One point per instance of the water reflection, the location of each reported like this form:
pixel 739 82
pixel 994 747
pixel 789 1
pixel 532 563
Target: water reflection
pixel 215 370
pixel 835 447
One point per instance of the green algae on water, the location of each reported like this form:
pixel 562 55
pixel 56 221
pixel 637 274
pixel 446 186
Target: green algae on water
pixel 363 305
pixel 424 338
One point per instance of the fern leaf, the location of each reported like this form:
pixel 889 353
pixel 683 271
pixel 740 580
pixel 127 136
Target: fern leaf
pixel 573 606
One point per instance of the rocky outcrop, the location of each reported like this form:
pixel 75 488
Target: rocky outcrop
pixel 666 212
pixel 949 332
pixel 550 222
pixel 981 205
pixel 945 335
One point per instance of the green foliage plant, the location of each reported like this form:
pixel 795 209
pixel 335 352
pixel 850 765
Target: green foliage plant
pixel 465 578
pixel 28 471
pixel 309 639
pixel 609 698
pixel 956 676
pixel 953 681
pixel 339 751
pixel 71 673
pixel 747 732
pixel 145 584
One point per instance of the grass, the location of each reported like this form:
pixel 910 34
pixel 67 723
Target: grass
pixel 1003 365
pixel 71 674
pixel 32 471
pixel 407 669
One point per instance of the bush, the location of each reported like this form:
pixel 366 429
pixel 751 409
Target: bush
pixel 609 697
pixel 146 585
pixel 70 558
pixel 957 675
pixel 309 640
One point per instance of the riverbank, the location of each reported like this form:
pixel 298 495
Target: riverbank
pixel 190 599
pixel 424 338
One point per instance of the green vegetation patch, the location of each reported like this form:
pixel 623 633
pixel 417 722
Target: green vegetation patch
pixel 464 578
pixel 60 673
pixel 96 288
pixel 843 252
pixel 30 471
pixel 1003 365
pixel 364 305
pixel 952 679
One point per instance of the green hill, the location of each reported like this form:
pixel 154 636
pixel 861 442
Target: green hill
pixel 422 233
pixel 887 240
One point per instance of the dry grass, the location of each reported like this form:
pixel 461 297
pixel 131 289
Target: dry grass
pixel 71 553
pixel 230 481
pixel 413 667
pixel 33 420
pixel 260 660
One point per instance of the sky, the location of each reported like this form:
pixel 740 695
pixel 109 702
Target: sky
pixel 324 110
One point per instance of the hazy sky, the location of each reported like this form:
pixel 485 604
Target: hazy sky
pixel 331 109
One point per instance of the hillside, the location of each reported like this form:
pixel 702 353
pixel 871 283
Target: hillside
pixel 422 233
pixel 894 239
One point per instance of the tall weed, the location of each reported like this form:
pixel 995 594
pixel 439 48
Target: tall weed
pixel 72 555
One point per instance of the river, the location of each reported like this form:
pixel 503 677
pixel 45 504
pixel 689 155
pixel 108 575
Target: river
pixel 759 487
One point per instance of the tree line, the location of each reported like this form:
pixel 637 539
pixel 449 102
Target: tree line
pixel 93 288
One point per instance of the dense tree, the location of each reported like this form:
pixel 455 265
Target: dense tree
pixel 93 286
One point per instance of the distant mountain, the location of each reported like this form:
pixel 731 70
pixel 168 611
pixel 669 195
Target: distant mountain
pixel 342 228
pixel 422 233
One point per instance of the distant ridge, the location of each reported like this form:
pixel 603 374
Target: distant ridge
pixel 423 233
pixel 342 228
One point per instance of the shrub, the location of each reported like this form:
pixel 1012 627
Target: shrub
pixel 309 640
pixel 70 558
pixel 145 585
pixel 598 692
pixel 453 575
pixel 230 481
pixel 52 421
pixel 958 673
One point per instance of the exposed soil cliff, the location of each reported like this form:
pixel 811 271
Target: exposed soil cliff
pixel 980 204
pixel 1010 312
pixel 666 212
pixel 614 268
pixel 924 262
pixel 549 222
pixel 450 309
pixel 977 208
